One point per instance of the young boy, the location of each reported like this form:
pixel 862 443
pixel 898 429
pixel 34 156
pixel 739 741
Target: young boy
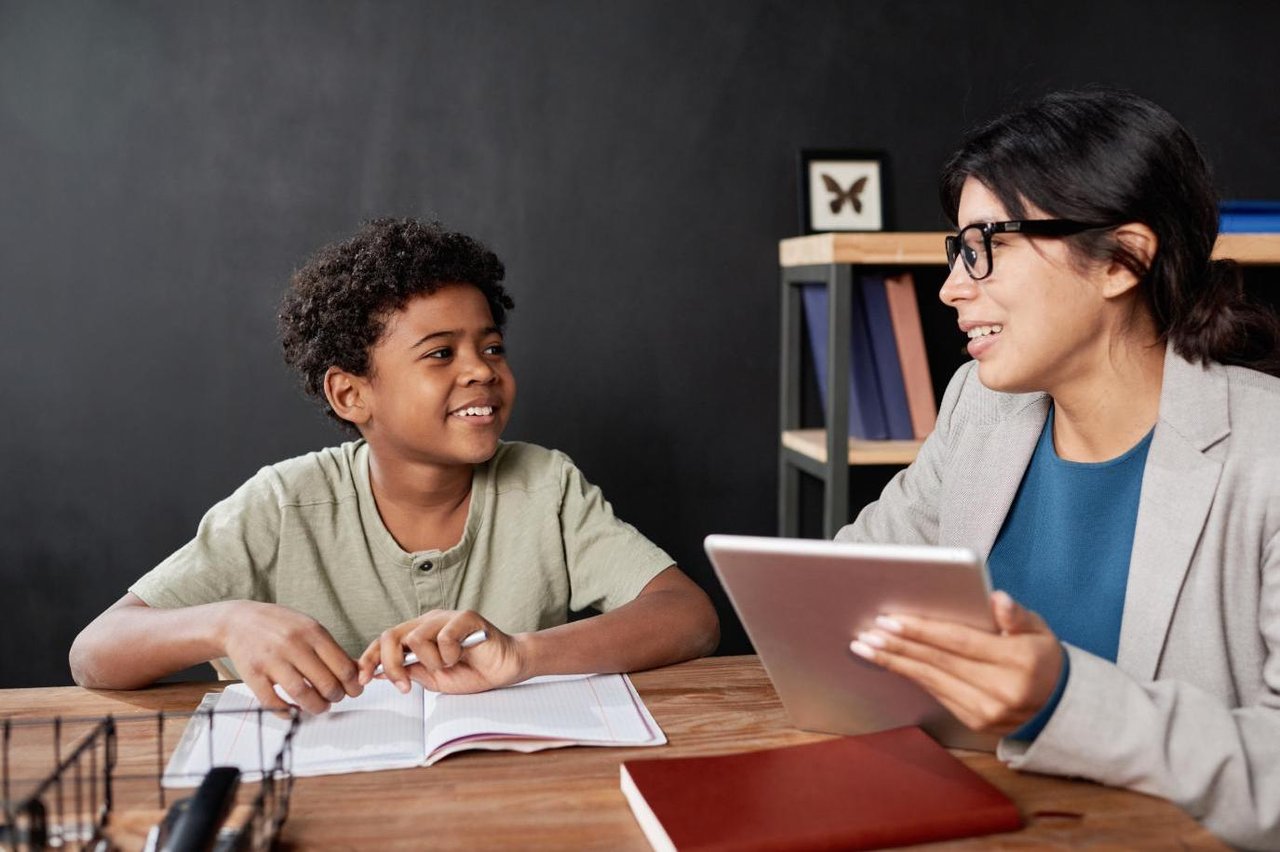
pixel 426 529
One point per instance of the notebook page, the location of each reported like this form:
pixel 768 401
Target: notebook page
pixel 581 709
pixel 380 729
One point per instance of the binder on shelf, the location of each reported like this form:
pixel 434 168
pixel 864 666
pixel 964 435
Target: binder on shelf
pixel 909 334
pixel 884 354
pixel 1249 217
pixel 866 412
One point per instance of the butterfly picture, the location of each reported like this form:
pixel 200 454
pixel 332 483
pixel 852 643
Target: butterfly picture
pixel 840 196
pixel 842 190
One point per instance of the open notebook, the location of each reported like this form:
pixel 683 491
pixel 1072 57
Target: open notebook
pixel 386 729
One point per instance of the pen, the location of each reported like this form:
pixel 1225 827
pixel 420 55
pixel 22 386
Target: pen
pixel 471 640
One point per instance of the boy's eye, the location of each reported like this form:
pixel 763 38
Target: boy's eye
pixel 441 353
pixel 496 349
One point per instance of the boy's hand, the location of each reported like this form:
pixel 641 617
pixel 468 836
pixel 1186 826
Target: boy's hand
pixel 443 665
pixel 271 644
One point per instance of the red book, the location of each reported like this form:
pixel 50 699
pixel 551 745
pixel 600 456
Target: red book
pixel 890 788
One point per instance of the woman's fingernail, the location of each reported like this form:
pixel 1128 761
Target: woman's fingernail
pixel 884 622
pixel 862 650
pixel 402 685
pixel 875 640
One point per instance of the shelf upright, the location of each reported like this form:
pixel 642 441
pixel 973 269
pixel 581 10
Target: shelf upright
pixel 835 509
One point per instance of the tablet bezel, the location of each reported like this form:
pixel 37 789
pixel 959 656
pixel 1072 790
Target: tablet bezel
pixel 802 601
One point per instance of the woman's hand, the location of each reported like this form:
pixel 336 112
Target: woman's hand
pixel 992 682
pixel 443 665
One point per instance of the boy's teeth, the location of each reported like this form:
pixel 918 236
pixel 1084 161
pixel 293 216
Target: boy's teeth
pixel 984 330
pixel 475 411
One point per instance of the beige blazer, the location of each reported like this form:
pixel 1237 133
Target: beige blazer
pixel 1191 708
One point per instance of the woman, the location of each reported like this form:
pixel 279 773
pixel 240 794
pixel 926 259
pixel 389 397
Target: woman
pixel 1112 451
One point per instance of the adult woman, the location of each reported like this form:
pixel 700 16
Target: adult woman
pixel 1121 479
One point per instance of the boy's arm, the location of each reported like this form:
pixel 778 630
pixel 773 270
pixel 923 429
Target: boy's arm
pixel 669 621
pixel 131 644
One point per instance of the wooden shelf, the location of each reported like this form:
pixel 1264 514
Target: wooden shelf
pixel 812 443
pixel 879 247
pixel 925 248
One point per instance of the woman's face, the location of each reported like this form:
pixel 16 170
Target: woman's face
pixel 1036 323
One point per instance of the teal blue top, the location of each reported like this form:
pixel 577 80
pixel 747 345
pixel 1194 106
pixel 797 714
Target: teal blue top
pixel 1064 549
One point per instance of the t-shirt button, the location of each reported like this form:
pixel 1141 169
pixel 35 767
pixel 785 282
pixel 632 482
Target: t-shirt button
pixel 425 566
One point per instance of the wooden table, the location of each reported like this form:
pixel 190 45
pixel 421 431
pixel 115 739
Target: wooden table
pixel 569 798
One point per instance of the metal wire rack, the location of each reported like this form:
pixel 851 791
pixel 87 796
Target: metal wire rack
pixel 103 782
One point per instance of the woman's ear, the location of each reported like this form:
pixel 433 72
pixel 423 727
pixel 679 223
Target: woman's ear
pixel 346 395
pixel 1141 243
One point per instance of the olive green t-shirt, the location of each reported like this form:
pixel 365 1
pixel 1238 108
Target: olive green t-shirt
pixel 305 533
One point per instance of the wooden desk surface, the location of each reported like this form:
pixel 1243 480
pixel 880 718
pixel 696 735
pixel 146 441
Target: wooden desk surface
pixel 569 798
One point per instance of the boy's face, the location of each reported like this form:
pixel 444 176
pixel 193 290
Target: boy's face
pixel 440 390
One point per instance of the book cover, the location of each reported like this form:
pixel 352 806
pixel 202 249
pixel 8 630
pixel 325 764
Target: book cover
pixel 884 353
pixel 385 729
pixel 866 412
pixel 891 788
pixel 1249 217
pixel 908 333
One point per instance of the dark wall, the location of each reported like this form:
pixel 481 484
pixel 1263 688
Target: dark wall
pixel 163 167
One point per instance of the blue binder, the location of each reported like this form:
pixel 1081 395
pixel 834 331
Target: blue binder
pixel 884 351
pixel 1249 217
pixel 866 413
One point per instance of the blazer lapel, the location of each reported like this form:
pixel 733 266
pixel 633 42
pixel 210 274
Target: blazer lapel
pixel 984 483
pixel 1178 487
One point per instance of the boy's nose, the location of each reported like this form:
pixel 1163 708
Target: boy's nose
pixel 477 370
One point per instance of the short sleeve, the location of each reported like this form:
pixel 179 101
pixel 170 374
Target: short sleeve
pixel 609 561
pixel 232 556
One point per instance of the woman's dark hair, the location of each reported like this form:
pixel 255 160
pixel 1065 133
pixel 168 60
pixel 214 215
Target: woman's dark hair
pixel 339 301
pixel 1111 157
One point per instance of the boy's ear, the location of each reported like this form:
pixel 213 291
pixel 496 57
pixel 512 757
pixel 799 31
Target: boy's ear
pixel 1141 241
pixel 346 395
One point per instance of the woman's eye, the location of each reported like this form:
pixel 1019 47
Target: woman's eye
pixel 440 354
pixel 496 349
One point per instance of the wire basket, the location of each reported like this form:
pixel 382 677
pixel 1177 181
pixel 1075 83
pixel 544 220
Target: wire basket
pixel 103 782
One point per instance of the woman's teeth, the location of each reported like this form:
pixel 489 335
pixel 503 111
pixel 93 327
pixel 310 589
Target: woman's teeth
pixel 474 411
pixel 984 330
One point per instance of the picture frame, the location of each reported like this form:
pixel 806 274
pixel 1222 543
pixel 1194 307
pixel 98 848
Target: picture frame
pixel 843 189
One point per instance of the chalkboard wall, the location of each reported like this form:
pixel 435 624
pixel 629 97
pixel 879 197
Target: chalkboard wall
pixel 164 166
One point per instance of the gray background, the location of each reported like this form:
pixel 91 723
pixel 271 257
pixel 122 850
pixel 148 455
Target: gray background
pixel 164 166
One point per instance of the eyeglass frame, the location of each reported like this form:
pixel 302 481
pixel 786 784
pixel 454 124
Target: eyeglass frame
pixel 1030 227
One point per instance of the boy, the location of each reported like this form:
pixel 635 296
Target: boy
pixel 425 530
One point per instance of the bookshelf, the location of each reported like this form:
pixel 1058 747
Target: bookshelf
pixel 831 258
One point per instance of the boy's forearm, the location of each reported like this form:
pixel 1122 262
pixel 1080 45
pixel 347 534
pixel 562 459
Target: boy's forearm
pixel 131 646
pixel 656 629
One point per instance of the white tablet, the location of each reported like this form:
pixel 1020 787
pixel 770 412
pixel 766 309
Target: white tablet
pixel 802 602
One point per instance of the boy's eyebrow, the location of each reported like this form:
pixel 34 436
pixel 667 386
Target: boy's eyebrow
pixel 434 334
pixel 485 332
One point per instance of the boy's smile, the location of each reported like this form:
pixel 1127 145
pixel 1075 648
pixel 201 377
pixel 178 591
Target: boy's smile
pixel 439 389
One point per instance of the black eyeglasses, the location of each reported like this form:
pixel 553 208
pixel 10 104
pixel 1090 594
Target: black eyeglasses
pixel 973 243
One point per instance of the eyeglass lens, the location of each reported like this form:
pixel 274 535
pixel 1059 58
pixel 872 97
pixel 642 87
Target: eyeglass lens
pixel 970 246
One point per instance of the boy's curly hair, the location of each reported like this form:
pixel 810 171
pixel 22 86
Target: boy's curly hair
pixel 339 302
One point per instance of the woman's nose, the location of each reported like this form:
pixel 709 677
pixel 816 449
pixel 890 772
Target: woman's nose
pixel 958 286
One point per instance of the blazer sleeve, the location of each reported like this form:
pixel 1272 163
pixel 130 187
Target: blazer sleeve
pixel 1172 739
pixel 907 510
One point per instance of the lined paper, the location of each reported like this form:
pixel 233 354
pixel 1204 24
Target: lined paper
pixel 557 711
pixel 380 729
pixel 384 729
